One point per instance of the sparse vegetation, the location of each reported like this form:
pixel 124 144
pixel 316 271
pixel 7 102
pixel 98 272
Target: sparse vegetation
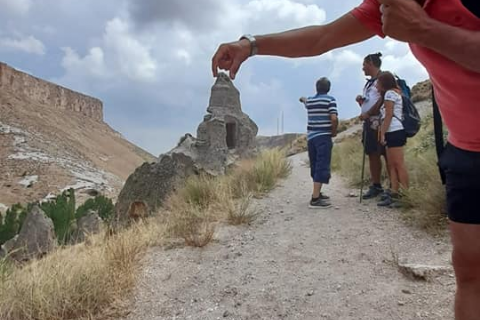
pixel 205 201
pixel 90 280
pixel 77 282
pixel 425 201
pixel 11 224
pixel 101 204
pixel 62 212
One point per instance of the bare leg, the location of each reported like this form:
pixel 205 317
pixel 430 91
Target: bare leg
pixel 466 261
pixel 317 188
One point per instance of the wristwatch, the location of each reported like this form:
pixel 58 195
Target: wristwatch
pixel 253 43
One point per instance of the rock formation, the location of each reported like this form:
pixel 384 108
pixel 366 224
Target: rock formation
pixel 36 237
pixel 225 135
pixel 44 92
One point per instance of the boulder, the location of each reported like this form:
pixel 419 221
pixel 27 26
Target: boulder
pixel 36 237
pixel 87 225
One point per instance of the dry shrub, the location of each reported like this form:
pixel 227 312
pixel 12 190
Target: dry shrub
pixel 82 281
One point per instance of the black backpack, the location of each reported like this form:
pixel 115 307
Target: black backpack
pixel 411 118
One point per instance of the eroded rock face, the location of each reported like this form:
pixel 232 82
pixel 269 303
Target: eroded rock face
pixel 36 237
pixel 87 225
pixel 151 183
pixel 226 133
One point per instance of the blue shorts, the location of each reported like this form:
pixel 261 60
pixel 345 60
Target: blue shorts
pixel 320 155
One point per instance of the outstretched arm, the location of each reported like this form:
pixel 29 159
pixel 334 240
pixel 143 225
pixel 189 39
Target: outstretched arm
pixel 305 42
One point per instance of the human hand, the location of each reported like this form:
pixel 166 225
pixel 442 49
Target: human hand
pixel 383 142
pixel 359 99
pixel 403 20
pixel 230 56
pixel 303 100
pixel 364 116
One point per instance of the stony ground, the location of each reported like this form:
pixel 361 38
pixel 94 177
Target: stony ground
pixel 299 263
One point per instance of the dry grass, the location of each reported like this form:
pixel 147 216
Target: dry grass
pixel 206 201
pixel 425 200
pixel 347 160
pixel 240 212
pixel 77 282
pixel 92 280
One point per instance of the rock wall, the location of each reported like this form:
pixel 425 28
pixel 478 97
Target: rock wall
pixel 44 92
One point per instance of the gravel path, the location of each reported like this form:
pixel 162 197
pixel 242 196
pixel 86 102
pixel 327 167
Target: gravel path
pixel 299 263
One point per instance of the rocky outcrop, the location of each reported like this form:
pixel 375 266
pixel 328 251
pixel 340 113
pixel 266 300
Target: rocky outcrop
pixel 151 183
pixel 52 139
pixel 422 91
pixel 281 141
pixel 36 237
pixel 224 135
pixel 45 92
pixel 87 225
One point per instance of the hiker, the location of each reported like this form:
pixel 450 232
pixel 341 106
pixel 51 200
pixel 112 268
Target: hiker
pixel 444 36
pixel 322 126
pixel 392 135
pixel 370 102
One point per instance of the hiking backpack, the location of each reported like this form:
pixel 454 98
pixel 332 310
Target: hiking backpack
pixel 410 116
pixel 411 119
pixel 403 86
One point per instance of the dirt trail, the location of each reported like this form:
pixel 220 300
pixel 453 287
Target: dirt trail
pixel 299 263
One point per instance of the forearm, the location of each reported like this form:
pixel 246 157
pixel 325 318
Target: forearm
pixel 459 45
pixel 375 110
pixel 386 124
pixel 314 40
pixel 334 127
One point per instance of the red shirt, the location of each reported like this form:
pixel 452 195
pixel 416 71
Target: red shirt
pixel 457 89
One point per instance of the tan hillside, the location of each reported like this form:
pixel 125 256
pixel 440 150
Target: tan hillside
pixel 52 138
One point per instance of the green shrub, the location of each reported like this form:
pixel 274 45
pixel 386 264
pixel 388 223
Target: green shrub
pixel 101 204
pixel 12 223
pixel 62 212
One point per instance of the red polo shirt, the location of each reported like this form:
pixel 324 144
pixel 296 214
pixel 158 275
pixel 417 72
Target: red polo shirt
pixel 457 89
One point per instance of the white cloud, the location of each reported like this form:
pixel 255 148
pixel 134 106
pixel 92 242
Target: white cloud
pixel 15 7
pixel 119 54
pixel 93 64
pixel 344 60
pixel 132 56
pixel 281 14
pixel 28 44
pixel 401 61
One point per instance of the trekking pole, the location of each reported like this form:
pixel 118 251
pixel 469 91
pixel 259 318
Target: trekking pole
pixel 363 162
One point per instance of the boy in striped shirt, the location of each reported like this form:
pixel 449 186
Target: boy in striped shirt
pixel 322 126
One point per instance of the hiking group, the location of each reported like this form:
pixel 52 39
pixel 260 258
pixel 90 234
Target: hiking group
pixel 387 124
pixel 444 35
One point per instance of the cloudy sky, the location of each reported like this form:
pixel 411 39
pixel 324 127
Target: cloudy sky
pixel 149 60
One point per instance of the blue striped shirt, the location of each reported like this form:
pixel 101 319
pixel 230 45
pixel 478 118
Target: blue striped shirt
pixel 319 109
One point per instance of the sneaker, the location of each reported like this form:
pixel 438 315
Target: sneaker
pixel 319 204
pixel 324 197
pixel 396 205
pixel 385 194
pixel 396 202
pixel 372 192
pixel 386 202
pixel 391 201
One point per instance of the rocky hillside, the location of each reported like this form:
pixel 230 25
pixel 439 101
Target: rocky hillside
pixel 52 138
pixel 281 141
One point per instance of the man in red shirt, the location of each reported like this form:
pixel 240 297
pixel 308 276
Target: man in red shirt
pixel 444 35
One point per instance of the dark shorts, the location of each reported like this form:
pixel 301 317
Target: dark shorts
pixel 462 170
pixel 320 155
pixel 370 140
pixel 396 139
